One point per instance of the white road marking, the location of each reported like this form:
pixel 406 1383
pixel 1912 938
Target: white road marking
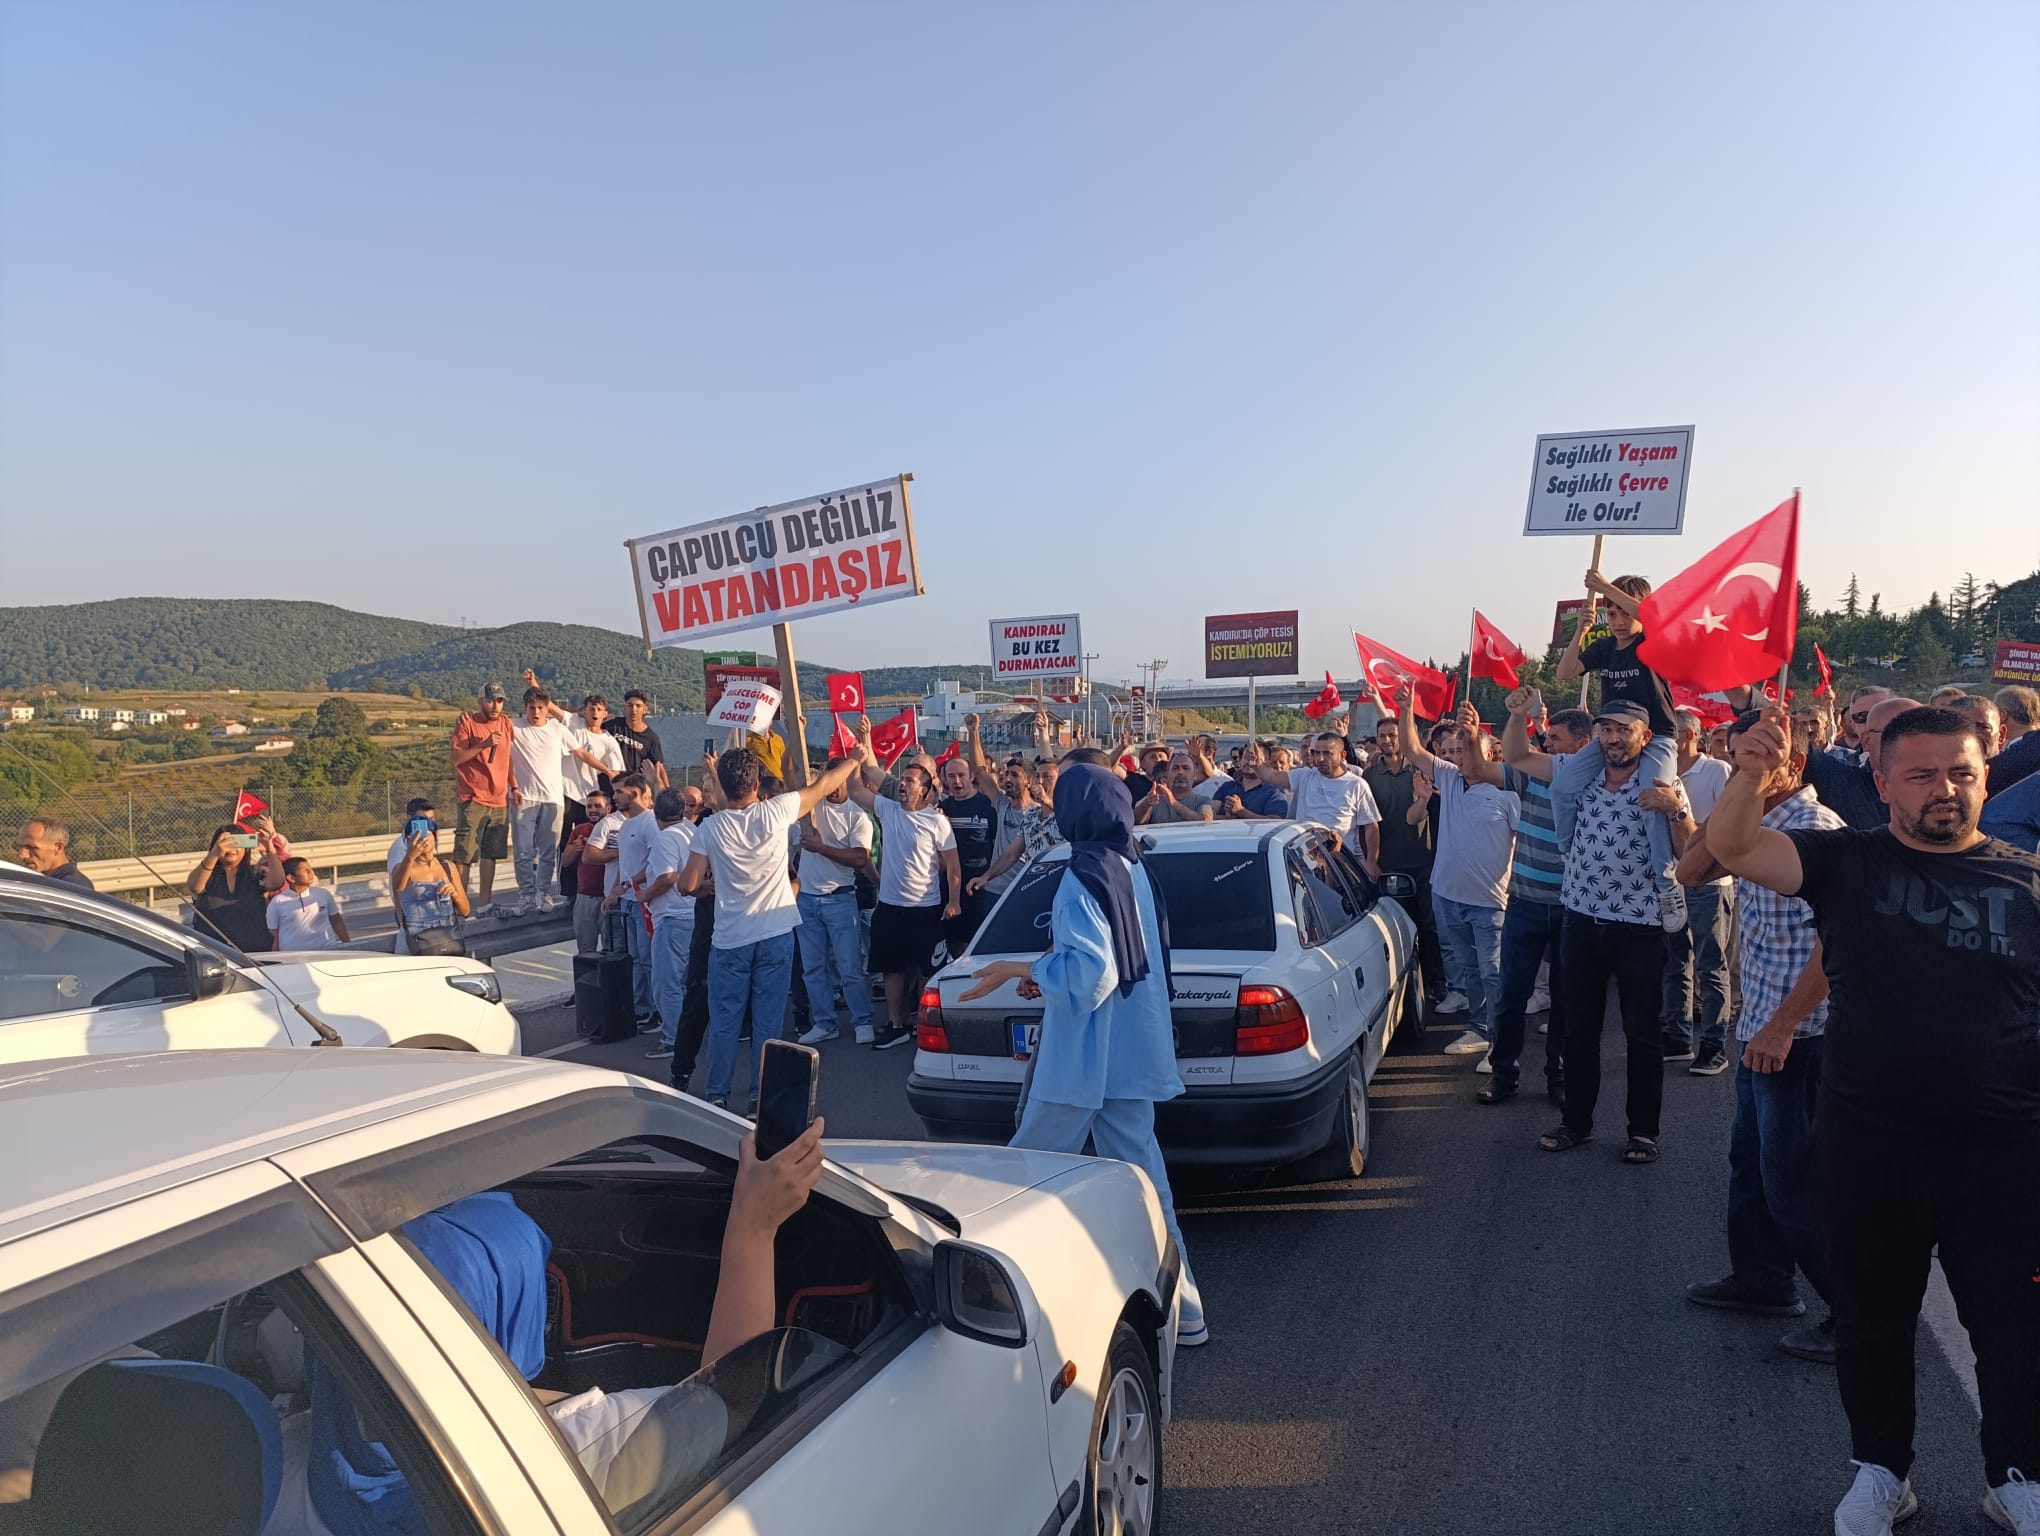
pixel 561 1050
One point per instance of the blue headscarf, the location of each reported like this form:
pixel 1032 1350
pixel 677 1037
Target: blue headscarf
pixel 1094 813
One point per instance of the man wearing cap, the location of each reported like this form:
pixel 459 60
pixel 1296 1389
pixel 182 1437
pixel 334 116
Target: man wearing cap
pixel 481 771
pixel 1612 928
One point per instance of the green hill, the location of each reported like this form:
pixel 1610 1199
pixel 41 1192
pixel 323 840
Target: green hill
pixel 200 643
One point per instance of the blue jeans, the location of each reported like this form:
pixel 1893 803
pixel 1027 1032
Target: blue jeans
pixel 672 937
pixel 1696 967
pixel 833 957
pixel 1472 940
pixel 1529 936
pixel 638 943
pixel 537 849
pixel 754 978
pixel 1570 777
pixel 1770 1214
pixel 1121 1128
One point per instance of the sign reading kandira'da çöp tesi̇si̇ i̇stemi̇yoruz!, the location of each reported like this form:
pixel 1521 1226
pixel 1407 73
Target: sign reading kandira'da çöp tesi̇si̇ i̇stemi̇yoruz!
pixel 824 554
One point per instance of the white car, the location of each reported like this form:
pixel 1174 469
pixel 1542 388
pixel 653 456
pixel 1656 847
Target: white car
pixel 84 974
pixel 240 1302
pixel 1291 972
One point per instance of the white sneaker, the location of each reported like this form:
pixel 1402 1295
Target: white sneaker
pixel 2014 1504
pixel 1451 1002
pixel 1671 905
pixel 1487 1066
pixel 866 1034
pixel 1540 1002
pixel 1473 1040
pixel 820 1033
pixel 1190 1328
pixel 1875 1502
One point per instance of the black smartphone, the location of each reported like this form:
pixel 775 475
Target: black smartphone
pixel 707 745
pixel 788 1075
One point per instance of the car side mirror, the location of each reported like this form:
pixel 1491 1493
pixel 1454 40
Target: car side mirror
pixel 977 1296
pixel 1402 887
pixel 206 971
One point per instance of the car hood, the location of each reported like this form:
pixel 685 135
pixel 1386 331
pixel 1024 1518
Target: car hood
pixel 304 972
pixel 965 1181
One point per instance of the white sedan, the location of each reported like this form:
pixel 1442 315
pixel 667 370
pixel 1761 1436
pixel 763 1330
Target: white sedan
pixel 1292 971
pixel 350 1291
pixel 84 974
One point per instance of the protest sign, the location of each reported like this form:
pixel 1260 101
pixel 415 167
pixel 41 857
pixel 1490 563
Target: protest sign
pixel 2018 661
pixel 746 705
pixel 717 676
pixel 1024 649
pixel 1609 482
pixel 1565 617
pixel 822 555
pixel 1251 644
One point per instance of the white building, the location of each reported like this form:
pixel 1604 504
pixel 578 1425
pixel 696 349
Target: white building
pixel 945 708
pixel 19 714
pixel 275 744
pixel 82 714
pixel 152 717
pixel 124 716
pixel 119 725
pixel 231 728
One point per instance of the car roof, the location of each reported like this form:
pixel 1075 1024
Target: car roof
pixel 90 1132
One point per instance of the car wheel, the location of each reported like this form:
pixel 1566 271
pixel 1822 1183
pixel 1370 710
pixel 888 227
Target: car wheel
pixel 1123 1480
pixel 1409 1018
pixel 1345 1155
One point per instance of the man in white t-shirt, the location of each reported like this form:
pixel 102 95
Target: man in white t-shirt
pixel 591 761
pixel 834 845
pixel 622 843
pixel 1696 955
pixel 1476 831
pixel 1332 794
pixel 304 915
pixel 919 855
pixel 672 914
pixel 537 740
pixel 743 847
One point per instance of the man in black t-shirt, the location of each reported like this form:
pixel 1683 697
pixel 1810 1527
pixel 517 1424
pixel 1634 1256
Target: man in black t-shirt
pixel 1928 1130
pixel 974 818
pixel 643 752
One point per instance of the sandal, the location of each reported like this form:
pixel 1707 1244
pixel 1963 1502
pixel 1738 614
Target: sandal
pixel 1641 1150
pixel 1563 1139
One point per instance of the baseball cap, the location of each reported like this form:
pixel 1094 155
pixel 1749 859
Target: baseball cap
pixel 1622 709
pixel 494 691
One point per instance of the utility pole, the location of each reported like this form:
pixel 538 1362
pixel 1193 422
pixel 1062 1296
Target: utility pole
pixel 1153 670
pixel 1090 728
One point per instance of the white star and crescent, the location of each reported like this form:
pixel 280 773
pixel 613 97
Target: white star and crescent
pixel 1756 570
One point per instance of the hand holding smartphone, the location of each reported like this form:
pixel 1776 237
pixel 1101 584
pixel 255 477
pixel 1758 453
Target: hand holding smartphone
pixel 788 1077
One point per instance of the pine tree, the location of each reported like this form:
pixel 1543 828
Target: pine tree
pixel 1852 599
pixel 1964 604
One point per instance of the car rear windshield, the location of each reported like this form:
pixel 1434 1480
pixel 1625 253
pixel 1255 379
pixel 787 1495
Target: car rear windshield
pixel 1215 901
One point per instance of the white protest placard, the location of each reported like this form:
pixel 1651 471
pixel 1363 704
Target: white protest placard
pixel 746 706
pixel 846 549
pixel 1610 482
pixel 1025 649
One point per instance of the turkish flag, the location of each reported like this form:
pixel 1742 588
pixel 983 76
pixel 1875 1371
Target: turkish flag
pixel 1385 670
pixel 247 807
pixel 895 736
pixel 846 692
pixel 1712 712
pixel 1827 673
pixel 1326 701
pixel 1732 616
pixel 842 742
pixel 1495 655
pixel 954 749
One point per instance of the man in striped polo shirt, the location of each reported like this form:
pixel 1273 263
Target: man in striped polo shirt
pixel 1530 930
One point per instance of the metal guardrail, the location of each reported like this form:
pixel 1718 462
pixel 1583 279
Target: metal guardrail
pixel 330 856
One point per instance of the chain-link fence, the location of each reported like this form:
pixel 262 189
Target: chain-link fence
pixel 132 818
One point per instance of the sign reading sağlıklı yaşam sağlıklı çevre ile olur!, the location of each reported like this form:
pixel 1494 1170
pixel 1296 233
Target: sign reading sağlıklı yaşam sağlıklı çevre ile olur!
pixel 846 549
pixel 1610 482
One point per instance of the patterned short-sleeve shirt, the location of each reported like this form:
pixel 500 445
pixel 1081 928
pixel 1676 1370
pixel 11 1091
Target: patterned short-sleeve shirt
pixel 1778 935
pixel 1607 871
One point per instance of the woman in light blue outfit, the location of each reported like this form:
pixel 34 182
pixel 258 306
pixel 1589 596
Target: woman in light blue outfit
pixel 1107 1053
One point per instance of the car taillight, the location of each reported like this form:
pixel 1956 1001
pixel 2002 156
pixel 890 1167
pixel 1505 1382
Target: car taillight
pixel 931 1034
pixel 1269 1021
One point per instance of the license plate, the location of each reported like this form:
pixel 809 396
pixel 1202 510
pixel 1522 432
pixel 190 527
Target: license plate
pixel 1026 1037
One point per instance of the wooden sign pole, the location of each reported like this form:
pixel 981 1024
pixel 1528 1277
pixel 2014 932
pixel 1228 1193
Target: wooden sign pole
pixel 1587 618
pixel 790 714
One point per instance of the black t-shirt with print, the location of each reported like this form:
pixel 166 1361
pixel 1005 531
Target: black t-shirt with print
pixel 639 747
pixel 1933 960
pixel 975 821
pixel 1624 676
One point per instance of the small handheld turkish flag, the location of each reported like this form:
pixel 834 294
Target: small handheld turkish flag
pixel 846 692
pixel 1732 616
pixel 954 749
pixel 1827 673
pixel 1326 701
pixel 842 743
pixel 247 807
pixel 1386 670
pixel 1495 655
pixel 895 736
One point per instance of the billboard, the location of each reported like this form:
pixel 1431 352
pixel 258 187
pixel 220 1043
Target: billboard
pixel 1251 644
pixel 1610 482
pixel 2018 661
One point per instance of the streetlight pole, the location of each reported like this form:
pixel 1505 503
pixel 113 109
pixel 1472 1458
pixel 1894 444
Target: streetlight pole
pixel 1090 729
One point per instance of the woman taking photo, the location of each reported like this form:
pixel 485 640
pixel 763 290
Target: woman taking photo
pixel 230 888
pixel 430 902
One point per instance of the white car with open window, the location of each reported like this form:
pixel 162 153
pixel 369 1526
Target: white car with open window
pixel 353 1291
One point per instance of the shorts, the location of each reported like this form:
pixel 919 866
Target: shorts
pixel 481 829
pixel 903 938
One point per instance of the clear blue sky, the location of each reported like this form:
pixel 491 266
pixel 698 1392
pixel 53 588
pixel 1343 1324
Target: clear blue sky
pixel 1172 309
